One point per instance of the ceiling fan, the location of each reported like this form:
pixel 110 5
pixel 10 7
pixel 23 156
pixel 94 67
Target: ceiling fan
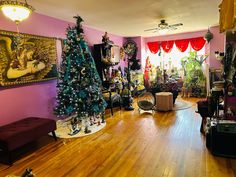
pixel 164 26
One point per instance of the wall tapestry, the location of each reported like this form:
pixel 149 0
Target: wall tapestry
pixel 26 58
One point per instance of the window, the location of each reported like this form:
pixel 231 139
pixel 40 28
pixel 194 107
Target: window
pixel 170 60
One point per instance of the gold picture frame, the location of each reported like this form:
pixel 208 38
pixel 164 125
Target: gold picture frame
pixel 26 58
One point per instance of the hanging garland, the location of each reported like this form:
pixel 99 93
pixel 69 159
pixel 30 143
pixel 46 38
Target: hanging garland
pixel 167 46
pixel 197 43
pixel 182 45
pixel 153 47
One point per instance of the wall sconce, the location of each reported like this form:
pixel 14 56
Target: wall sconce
pixel 219 55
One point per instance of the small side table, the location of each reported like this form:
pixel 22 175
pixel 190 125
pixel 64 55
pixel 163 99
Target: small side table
pixel 164 101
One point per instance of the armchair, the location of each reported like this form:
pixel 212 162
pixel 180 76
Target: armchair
pixel 111 98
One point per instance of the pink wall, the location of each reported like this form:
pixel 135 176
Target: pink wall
pixel 38 99
pixel 217 43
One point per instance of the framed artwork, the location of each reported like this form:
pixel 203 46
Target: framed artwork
pixel 26 58
pixel 130 48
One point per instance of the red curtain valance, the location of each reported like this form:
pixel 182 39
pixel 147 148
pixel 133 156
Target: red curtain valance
pixel 153 47
pixel 197 43
pixel 167 46
pixel 182 44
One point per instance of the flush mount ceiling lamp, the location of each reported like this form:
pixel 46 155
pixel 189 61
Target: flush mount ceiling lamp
pixel 15 10
pixel 163 31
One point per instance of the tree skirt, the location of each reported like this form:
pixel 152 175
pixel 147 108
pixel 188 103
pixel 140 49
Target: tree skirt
pixel 64 131
pixel 181 104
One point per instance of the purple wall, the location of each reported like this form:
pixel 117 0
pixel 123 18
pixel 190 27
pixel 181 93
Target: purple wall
pixel 38 99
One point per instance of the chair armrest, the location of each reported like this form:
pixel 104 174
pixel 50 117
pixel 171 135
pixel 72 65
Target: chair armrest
pixel 107 91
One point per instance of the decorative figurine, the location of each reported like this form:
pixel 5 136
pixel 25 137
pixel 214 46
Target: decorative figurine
pixel 103 120
pixel 28 173
pixel 105 38
pixel 74 126
pixel 86 130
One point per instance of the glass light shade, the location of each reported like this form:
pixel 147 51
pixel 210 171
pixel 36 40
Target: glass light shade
pixel 163 31
pixel 16 11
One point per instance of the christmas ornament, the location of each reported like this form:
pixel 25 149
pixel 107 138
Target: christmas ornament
pixel 83 71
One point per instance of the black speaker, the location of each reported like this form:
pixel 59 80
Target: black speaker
pixel 97 58
pixel 222 140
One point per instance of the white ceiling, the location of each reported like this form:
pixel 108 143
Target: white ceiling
pixel 131 17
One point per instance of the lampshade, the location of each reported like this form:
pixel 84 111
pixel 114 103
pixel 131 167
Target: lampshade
pixel 163 31
pixel 16 11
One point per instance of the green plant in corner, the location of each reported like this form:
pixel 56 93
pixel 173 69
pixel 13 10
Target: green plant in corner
pixel 194 77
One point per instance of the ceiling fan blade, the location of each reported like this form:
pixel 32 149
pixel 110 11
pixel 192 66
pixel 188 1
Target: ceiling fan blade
pixel 173 28
pixel 174 25
pixel 151 29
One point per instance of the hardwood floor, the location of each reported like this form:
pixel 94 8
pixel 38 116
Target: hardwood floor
pixel 132 144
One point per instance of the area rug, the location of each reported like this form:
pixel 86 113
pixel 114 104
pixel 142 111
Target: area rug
pixel 63 129
pixel 181 104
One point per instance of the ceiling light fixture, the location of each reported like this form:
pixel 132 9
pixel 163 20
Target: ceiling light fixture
pixel 15 10
pixel 163 31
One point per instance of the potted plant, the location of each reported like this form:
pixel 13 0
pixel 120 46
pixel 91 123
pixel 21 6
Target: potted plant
pixel 194 78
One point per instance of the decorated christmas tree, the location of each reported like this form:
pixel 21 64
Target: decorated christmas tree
pixel 79 85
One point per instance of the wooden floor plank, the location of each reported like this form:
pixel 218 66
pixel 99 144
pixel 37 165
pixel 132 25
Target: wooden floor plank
pixel 163 144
